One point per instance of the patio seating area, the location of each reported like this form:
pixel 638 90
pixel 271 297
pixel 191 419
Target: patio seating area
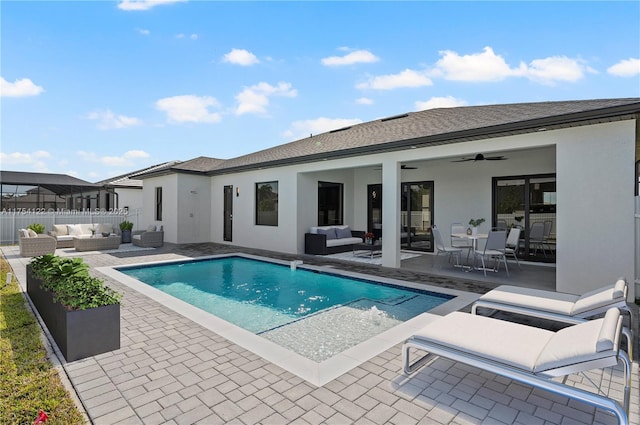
pixel 172 370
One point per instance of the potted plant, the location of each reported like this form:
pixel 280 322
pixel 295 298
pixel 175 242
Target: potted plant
pixel 518 220
pixel 474 223
pixel 81 313
pixel 125 230
pixel 368 238
pixel 36 227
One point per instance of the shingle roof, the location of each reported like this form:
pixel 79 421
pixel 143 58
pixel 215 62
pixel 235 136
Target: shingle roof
pixel 433 126
pixel 129 179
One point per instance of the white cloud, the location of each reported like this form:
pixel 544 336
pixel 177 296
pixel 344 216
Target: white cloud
pixel 485 66
pixel 240 57
pixel 255 99
pixel 189 108
pixel 192 36
pixel 358 56
pixel 556 68
pixel 107 120
pixel 625 68
pixel 440 102
pixel 143 31
pixel 364 101
pixel 302 129
pixel 127 159
pixel 130 5
pixel 406 78
pixel 20 88
pixel 34 160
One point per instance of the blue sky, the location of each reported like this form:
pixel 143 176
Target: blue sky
pixel 98 89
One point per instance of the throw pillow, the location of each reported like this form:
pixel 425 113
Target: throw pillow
pixel 74 229
pixel 159 228
pixel 24 233
pixel 32 233
pixel 151 228
pixel 331 233
pixel 60 229
pixel 343 233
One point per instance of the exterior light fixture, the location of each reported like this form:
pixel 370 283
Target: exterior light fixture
pixel 237 192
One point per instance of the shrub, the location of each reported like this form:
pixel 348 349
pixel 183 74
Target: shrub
pixel 71 284
pixel 36 227
pixel 126 225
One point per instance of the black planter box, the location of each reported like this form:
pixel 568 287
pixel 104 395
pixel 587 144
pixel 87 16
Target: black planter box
pixel 126 236
pixel 78 333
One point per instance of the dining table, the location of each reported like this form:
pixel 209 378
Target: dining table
pixel 474 244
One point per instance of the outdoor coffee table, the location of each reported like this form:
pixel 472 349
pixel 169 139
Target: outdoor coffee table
pixel 371 248
pixel 96 243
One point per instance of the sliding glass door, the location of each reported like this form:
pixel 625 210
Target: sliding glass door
pixel 416 216
pixel 528 202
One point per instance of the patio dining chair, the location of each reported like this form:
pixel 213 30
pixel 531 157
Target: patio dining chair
pixel 493 250
pixel 536 238
pixel 446 250
pixel 512 246
pixel 463 244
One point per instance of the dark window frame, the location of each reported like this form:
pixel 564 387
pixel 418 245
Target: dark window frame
pixel 266 210
pixel 324 201
pixel 158 211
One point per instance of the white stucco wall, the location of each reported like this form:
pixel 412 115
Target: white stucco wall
pixel 131 198
pixel 193 217
pixel 170 209
pixel 595 206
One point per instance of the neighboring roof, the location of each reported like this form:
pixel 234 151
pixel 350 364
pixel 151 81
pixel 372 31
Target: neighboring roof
pixel 199 165
pixel 60 184
pixel 433 127
pixel 129 180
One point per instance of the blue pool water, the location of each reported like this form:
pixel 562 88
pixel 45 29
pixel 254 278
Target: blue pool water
pixel 272 300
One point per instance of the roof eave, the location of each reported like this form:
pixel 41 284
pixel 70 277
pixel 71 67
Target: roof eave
pixel 623 112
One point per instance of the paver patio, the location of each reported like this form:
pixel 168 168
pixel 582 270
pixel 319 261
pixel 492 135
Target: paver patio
pixel 171 370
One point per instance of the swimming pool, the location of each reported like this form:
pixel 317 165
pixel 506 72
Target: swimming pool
pixel 315 322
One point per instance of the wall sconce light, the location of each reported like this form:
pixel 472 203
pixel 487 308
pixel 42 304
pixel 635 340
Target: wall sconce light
pixel 237 192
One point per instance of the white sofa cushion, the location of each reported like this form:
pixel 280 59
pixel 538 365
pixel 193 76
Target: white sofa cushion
pixel 24 233
pixel 74 229
pixel 343 241
pixel 66 237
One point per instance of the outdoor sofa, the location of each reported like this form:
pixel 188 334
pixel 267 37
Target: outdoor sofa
pixel 64 233
pixel 323 240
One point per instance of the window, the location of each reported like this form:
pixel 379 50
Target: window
pixel 158 203
pixel 330 204
pixel 267 204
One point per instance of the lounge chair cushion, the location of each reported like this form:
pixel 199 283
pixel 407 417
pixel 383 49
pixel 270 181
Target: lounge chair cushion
pixel 32 233
pixel 600 297
pixel 501 341
pixel 580 343
pixel 534 299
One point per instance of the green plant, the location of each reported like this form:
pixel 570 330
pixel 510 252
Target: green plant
pixel 36 227
pixel 69 280
pixel 476 222
pixel 126 225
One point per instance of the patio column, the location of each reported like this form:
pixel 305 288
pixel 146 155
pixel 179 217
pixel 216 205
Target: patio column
pixel 391 213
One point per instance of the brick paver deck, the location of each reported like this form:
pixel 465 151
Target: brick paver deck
pixel 170 370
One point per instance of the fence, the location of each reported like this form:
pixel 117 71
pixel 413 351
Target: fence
pixel 637 276
pixel 11 221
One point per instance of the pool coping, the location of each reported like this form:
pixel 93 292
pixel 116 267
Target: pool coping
pixel 316 373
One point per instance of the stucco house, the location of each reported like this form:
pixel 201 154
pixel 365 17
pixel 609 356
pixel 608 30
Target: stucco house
pixel 573 163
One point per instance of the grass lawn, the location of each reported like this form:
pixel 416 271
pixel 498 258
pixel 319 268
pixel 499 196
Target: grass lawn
pixel 28 381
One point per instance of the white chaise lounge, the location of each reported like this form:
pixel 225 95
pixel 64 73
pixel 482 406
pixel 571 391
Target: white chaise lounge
pixel 558 306
pixel 527 354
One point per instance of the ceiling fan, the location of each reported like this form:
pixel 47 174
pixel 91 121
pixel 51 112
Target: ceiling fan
pixel 481 157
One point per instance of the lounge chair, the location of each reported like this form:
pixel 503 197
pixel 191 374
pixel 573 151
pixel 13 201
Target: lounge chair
pixel 527 354
pixel 558 306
